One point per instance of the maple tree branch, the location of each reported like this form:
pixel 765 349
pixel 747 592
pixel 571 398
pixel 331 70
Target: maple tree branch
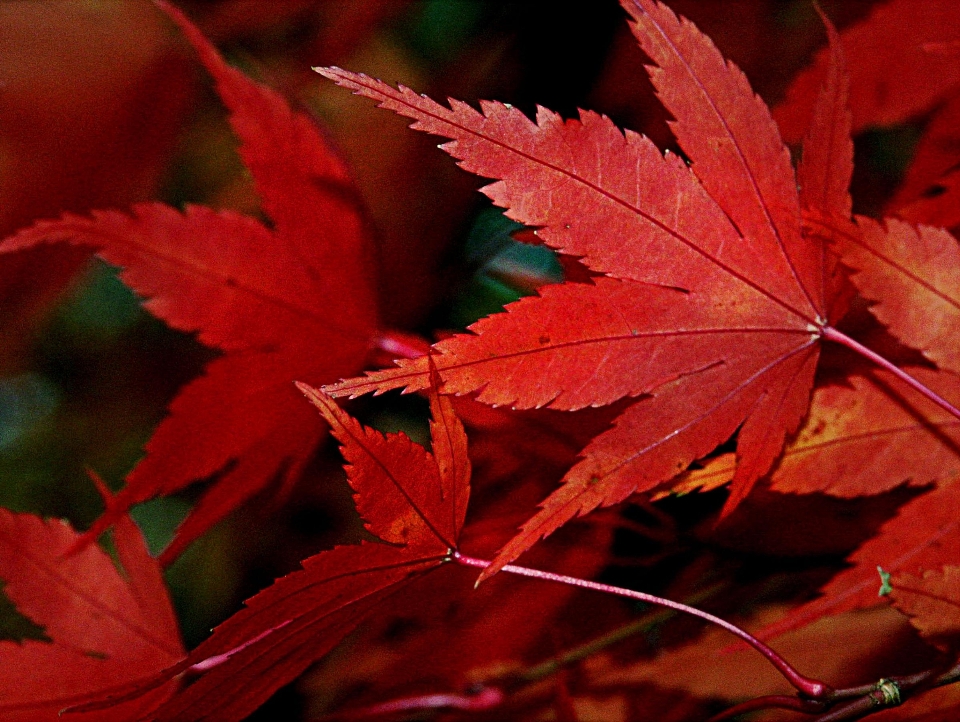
pixel 832 334
pixel 811 688
pixel 889 692
pixel 851 703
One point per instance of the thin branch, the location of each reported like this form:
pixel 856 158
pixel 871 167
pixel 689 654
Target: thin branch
pixel 851 703
pixel 888 693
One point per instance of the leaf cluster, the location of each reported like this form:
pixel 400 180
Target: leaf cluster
pixel 728 328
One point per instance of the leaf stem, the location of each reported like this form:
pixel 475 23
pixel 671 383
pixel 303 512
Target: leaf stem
pixel 811 688
pixel 831 334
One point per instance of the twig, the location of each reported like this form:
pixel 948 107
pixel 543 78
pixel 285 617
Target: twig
pixel 851 703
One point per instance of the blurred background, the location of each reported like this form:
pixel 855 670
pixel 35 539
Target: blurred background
pixel 102 104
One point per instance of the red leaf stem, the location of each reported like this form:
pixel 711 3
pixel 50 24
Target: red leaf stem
pixel 811 688
pixel 831 334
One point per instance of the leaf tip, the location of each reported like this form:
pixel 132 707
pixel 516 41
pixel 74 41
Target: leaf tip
pixel 305 389
pixel 328 71
pixel 831 29
pixel 338 75
pixel 489 571
pixel 101 485
pixel 324 403
pixel 312 393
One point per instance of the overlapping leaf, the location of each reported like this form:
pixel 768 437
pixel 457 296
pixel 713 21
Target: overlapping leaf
pixel 912 275
pixel 903 61
pixel 939 206
pixel 924 535
pixel 824 174
pixel 863 437
pixel 932 602
pixel 713 301
pixel 414 501
pixel 296 301
pixel 74 140
pixel 826 166
pixel 105 628
pixel 922 193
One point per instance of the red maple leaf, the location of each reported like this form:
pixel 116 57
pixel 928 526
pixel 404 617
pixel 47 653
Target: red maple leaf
pixel 713 301
pixel 865 436
pixel 104 629
pixel 928 192
pixel 924 535
pixel 932 601
pixel 294 301
pixel 912 276
pixel 414 501
pixel 904 65
pixel 903 62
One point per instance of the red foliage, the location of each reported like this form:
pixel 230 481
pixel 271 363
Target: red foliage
pixel 277 301
pixel 701 290
pixel 104 628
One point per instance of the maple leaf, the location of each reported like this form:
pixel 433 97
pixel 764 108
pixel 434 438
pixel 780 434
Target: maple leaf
pixel 296 301
pixel 928 186
pixel 904 64
pixel 903 60
pixel 871 436
pixel 937 206
pixel 74 140
pixel 924 535
pixel 826 166
pixel 863 437
pixel 712 303
pixel 104 629
pixel 824 173
pixel 412 500
pixel 933 604
pixel 912 275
